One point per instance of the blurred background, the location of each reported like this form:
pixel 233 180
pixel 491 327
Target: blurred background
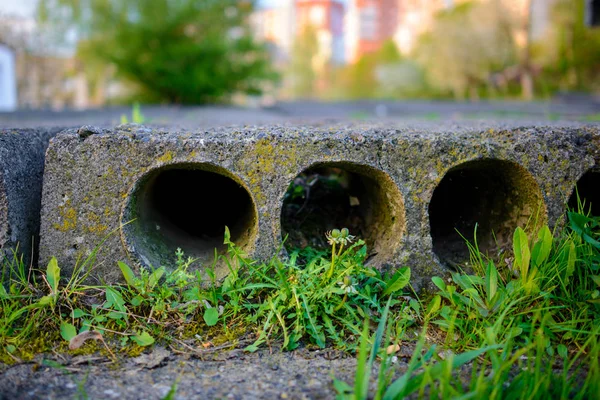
pixel 85 54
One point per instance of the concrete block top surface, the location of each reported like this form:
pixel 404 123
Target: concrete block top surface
pixel 143 192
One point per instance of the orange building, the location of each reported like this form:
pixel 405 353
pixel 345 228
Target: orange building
pixel 321 14
pixel 327 18
pixel 375 22
pixel 276 25
pixel 369 23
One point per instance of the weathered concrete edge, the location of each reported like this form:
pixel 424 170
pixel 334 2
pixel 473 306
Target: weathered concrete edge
pixel 89 176
pixel 22 153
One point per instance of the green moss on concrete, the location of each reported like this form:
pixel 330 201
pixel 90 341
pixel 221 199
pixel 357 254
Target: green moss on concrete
pixel 99 171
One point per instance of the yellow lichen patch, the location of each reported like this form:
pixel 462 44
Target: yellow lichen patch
pixel 95 226
pixel 165 158
pixel 440 167
pixel 109 172
pixel 69 217
pixel 267 159
pixel 416 197
pixel 127 171
pixel 259 196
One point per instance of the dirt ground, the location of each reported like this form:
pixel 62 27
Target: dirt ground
pixel 233 374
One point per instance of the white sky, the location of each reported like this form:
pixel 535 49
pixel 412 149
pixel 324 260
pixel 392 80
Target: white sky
pixel 25 8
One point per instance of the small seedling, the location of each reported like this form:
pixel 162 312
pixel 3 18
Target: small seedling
pixel 136 115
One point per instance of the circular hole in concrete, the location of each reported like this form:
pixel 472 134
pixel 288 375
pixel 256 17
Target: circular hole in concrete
pixel 187 206
pixel 341 194
pixel 588 190
pixel 498 196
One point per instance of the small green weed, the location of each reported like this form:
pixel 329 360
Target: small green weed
pixel 136 115
pixel 592 117
pixel 359 115
pixel 323 300
pixel 421 371
pixel 526 328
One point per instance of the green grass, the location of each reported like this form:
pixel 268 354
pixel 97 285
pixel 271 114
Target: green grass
pixel 592 117
pixel 526 327
pixel 321 302
pixel 136 115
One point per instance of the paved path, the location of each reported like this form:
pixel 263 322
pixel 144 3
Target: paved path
pixel 294 112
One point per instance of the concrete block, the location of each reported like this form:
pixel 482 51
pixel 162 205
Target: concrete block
pixel 21 171
pixel 405 189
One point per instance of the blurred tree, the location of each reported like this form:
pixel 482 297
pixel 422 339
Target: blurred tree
pixel 465 46
pixel 402 79
pixel 570 52
pixel 525 61
pixel 303 73
pixel 182 51
pixel 362 79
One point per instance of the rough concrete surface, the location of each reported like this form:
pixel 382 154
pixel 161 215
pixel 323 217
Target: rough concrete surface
pixel 230 374
pixel 301 374
pixel 21 172
pixel 180 187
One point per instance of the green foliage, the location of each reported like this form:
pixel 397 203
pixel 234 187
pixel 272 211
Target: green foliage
pixel 136 115
pixel 420 373
pixel 556 275
pixel 528 329
pixel 211 316
pixel 362 80
pixel 301 70
pixel 323 300
pixel 152 293
pixel 53 276
pixel 184 51
pixel 365 363
pixel 569 52
pixel 67 331
pixel 586 227
pixel 465 46
pixel 143 339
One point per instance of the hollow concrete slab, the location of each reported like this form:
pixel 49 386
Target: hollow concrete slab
pixel 21 172
pixel 147 191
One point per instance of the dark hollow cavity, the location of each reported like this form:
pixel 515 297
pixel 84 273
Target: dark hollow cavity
pixel 188 207
pixel 588 189
pixel 343 195
pixel 497 196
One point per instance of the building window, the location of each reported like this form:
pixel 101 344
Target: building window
pixel 593 13
pixel 318 16
pixel 368 23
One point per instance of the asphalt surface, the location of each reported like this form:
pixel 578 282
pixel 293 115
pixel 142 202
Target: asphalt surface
pixel 586 109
